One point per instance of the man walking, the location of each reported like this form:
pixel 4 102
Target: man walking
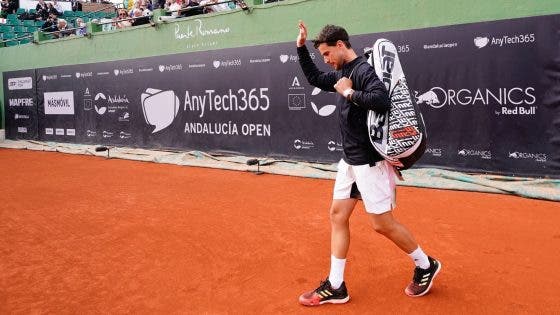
pixel 362 172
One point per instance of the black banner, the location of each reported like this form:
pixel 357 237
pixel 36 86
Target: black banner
pixel 20 105
pixel 481 88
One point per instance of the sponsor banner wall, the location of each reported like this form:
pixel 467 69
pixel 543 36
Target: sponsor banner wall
pixel 20 105
pixel 481 88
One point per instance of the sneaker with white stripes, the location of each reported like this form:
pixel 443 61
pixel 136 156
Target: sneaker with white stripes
pixel 325 294
pixel 423 279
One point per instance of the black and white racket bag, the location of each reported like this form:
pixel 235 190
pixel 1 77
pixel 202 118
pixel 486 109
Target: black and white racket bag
pixel 399 135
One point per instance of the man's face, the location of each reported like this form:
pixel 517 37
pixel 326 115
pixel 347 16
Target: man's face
pixel 333 55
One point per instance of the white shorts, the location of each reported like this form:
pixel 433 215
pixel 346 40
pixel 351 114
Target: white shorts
pixel 376 185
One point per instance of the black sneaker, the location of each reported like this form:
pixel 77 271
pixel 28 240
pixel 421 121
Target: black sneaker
pixel 325 294
pixel 423 279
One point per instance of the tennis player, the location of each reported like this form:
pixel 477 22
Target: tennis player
pixel 362 172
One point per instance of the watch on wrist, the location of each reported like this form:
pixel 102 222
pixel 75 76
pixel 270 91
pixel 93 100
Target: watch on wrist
pixel 348 94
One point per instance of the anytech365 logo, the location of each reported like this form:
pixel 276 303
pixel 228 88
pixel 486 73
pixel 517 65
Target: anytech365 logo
pixel 159 107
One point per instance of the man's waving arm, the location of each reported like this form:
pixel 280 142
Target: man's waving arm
pixel 323 80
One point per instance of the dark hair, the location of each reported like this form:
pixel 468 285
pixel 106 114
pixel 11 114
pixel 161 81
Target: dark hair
pixel 330 34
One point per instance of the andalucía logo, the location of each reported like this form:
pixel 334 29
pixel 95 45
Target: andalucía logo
pixel 159 107
pixel 323 111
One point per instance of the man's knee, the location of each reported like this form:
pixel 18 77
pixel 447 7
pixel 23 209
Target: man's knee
pixel 339 214
pixel 383 224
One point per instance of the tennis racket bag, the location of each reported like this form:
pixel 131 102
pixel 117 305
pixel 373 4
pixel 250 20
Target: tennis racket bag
pixel 399 135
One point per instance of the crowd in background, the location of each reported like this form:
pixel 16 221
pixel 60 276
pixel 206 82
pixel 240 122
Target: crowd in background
pixel 49 17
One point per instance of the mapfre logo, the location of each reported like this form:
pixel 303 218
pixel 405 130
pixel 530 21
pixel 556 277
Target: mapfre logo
pixel 438 97
pixel 486 155
pixel 538 157
pixel 20 102
pixel 24 83
pixel 59 103
pixel 159 107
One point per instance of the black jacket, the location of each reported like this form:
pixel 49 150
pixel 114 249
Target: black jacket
pixel 370 94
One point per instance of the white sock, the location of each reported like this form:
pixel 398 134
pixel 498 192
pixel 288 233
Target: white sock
pixel 420 258
pixel 336 277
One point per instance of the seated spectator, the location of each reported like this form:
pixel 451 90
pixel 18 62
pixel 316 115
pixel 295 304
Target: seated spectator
pixel 76 5
pixel 52 10
pixel 174 7
pixel 159 4
pixel 142 17
pixel 57 7
pixel 119 22
pixel 215 8
pixel 189 4
pixel 9 7
pixel 50 24
pixel 42 10
pixel 135 6
pixel 80 27
pixel 62 29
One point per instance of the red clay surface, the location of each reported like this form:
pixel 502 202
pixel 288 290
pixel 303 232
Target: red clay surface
pixel 83 234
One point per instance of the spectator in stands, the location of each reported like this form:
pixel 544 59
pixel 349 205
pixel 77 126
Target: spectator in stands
pixel 190 12
pixel 76 5
pixel 50 24
pixel 215 8
pixel 135 6
pixel 58 7
pixel 141 18
pixel 174 7
pixel 9 7
pixel 42 10
pixel 52 10
pixel 159 4
pixel 62 29
pixel 80 27
pixel 119 22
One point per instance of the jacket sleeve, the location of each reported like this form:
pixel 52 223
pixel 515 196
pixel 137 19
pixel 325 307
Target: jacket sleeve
pixel 323 80
pixel 370 93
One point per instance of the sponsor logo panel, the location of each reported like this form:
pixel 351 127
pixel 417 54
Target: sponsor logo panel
pixel 476 153
pixel 59 103
pixel 23 83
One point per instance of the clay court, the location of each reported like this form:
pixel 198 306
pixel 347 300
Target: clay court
pixel 84 234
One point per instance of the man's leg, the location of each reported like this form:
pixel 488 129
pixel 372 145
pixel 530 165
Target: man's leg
pixel 377 186
pixel 333 290
pixel 386 225
pixel 340 213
